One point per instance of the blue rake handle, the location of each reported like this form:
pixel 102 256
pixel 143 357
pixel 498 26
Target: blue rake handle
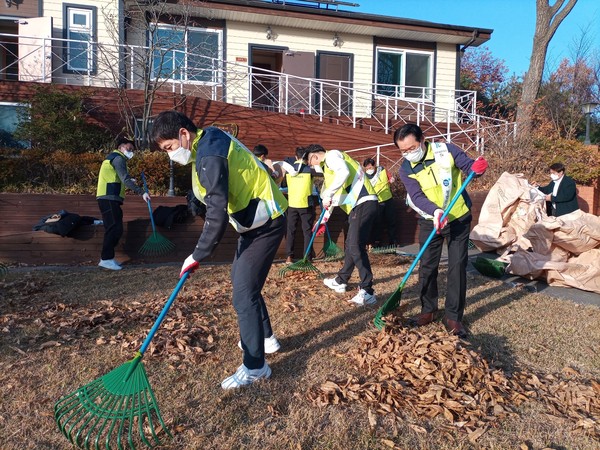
pixel 312 238
pixel 434 231
pixel 149 204
pixel 140 353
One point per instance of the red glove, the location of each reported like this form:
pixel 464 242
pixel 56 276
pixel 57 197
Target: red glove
pixel 479 166
pixel 321 228
pixel 189 265
pixel 437 215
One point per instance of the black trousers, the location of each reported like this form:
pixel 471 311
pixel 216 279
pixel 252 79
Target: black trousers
pixel 386 218
pixel 456 233
pixel 360 222
pixel 112 217
pixel 254 256
pixel 306 217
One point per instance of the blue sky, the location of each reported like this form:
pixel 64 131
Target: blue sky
pixel 513 22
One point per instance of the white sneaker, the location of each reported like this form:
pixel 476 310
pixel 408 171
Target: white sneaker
pixel 109 264
pixel 272 345
pixel 244 376
pixel 362 298
pixel 332 284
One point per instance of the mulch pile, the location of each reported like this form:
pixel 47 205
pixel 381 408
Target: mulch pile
pixel 402 370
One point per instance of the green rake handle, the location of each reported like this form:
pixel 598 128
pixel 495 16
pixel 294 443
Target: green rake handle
pixel 149 204
pixel 157 324
pixel 312 238
pixel 384 308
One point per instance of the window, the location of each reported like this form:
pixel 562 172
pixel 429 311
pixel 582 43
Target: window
pixel 79 29
pixel 404 73
pixel 11 114
pixel 191 54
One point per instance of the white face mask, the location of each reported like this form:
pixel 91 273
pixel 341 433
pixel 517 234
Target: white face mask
pixel 415 155
pixel 181 156
pixel 128 154
pixel 370 171
pixel 554 176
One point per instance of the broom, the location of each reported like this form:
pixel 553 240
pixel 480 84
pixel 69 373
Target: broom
pixel 119 408
pixel 394 300
pixel 304 265
pixel 156 244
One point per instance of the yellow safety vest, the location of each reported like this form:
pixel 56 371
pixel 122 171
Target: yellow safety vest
pixel 299 188
pixel 381 185
pixel 109 182
pixel 249 183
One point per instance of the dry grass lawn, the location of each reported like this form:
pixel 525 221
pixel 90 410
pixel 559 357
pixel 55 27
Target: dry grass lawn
pixel 62 329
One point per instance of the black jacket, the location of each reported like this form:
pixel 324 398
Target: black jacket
pixel 565 200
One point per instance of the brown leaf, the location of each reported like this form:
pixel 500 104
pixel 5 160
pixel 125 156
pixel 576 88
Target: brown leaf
pixel 49 344
pixel 372 419
pixel 476 434
pixel 417 428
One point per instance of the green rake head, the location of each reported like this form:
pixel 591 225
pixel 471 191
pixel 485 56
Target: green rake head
pixel 390 304
pixel 332 251
pixel 156 245
pixel 303 265
pixel 386 250
pixel 117 411
pixel 490 267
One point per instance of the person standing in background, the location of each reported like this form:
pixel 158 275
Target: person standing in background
pixel 386 217
pixel 113 179
pixel 561 192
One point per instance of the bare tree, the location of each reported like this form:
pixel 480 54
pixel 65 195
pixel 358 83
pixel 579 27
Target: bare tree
pixel 159 55
pixel 548 18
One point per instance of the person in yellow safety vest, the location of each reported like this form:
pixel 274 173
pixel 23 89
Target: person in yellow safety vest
pixel 380 180
pixel 235 188
pixel 301 203
pixel 261 152
pixel 110 194
pixel 432 174
pixel 346 186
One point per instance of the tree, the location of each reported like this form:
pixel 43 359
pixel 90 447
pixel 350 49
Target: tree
pixel 548 18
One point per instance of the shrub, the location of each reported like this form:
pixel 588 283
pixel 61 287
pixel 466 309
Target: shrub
pixel 58 120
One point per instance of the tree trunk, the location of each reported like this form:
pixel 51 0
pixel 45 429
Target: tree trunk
pixel 547 20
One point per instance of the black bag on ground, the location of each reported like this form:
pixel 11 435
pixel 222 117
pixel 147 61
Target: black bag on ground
pixel 62 223
pixel 166 216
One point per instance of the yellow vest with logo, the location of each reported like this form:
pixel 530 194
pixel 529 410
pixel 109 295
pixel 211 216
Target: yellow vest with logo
pixel 249 183
pixel 109 182
pixel 299 188
pixel 430 178
pixel 381 185
pixel 354 187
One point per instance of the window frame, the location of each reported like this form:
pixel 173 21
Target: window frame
pixel 16 105
pixel 404 52
pixel 218 80
pixel 92 11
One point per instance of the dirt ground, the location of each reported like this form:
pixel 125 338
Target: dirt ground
pixel 536 357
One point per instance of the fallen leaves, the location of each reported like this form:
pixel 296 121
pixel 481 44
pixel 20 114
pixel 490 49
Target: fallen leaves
pixel 402 371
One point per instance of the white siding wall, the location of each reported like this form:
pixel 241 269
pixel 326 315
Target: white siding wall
pixel 107 10
pixel 445 78
pixel 239 35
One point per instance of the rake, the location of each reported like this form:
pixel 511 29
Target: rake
pixel 119 408
pixel 156 244
pixel 331 250
pixel 394 300
pixel 304 265
pixel 386 250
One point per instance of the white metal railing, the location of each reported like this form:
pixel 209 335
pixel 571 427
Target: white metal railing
pixel 376 107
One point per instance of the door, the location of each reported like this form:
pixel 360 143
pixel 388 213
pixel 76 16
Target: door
pixel 335 98
pixel 35 49
pixel 299 91
pixel 266 64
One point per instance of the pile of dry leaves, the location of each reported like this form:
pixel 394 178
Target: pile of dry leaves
pixel 402 371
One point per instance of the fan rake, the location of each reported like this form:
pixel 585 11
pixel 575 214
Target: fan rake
pixel 156 244
pixel 118 410
pixel 305 265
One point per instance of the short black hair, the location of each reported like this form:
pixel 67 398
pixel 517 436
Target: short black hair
pixel 300 153
pixel 558 167
pixel 167 125
pixel 313 148
pixel 260 150
pixel 369 162
pixel 406 130
pixel 125 140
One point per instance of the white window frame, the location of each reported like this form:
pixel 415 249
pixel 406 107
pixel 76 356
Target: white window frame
pixel 404 52
pixel 217 78
pixel 71 27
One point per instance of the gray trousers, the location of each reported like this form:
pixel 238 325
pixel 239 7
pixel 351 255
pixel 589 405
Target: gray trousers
pixel 254 256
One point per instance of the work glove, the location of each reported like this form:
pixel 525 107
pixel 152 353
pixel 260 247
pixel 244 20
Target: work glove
pixel 189 265
pixel 326 203
pixel 437 215
pixel 321 228
pixel 146 197
pixel 479 166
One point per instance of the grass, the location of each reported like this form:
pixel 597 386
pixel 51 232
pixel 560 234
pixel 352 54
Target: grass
pixel 62 329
